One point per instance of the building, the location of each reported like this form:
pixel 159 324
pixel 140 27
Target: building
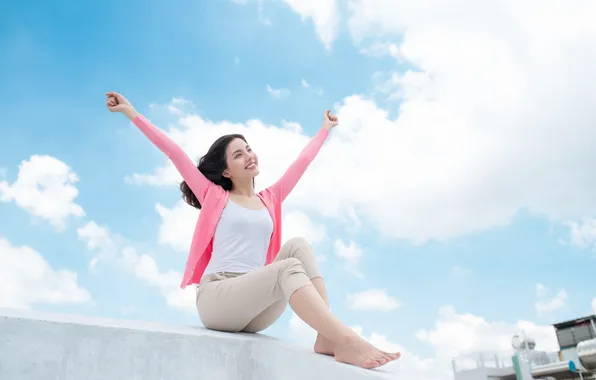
pixel 576 358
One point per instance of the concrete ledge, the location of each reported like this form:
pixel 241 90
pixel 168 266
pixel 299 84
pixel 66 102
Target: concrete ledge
pixel 41 346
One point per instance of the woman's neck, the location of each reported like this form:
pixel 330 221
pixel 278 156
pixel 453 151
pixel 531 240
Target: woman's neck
pixel 244 189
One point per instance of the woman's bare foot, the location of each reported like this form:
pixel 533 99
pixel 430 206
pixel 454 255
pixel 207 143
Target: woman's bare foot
pixel 356 351
pixel 323 345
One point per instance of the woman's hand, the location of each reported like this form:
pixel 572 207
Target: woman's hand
pixel 329 120
pixel 118 103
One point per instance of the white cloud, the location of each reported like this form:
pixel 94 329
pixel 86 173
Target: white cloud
pixel 28 279
pixel 298 224
pixel 351 254
pixel 291 126
pixel 372 299
pixel 305 84
pixel 278 93
pixel 180 100
pixel 160 177
pixel 324 15
pixel 594 305
pixel 381 49
pixel 113 249
pixel 547 306
pixel 378 340
pixel 260 11
pixel 45 187
pixel 462 334
pixel 491 122
pixel 177 225
pixel 300 332
pixel 99 240
pixel 582 234
pixel 177 106
pixel 145 268
pixel 466 133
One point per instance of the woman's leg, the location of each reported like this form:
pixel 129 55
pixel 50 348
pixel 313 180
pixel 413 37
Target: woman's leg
pixel 353 349
pixel 300 249
pixel 297 248
pixel 267 317
pixel 231 304
pixel 349 347
pixel 322 345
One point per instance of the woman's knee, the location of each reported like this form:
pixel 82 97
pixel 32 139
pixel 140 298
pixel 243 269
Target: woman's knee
pixel 299 242
pixel 301 249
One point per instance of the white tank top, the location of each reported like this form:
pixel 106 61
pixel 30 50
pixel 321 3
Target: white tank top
pixel 241 240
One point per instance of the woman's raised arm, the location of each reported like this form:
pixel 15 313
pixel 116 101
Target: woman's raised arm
pixel 197 182
pixel 282 188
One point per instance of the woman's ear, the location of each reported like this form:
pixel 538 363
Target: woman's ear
pixel 225 174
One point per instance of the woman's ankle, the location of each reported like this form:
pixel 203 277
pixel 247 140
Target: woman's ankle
pixel 347 336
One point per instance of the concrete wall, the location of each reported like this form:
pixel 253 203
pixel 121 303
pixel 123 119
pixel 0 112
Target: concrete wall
pixel 40 346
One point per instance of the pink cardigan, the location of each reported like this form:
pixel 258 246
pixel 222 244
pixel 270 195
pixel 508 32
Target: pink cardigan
pixel 213 197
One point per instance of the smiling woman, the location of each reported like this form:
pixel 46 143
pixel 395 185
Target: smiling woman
pixel 245 276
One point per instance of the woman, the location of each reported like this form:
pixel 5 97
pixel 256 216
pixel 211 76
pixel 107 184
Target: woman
pixel 245 277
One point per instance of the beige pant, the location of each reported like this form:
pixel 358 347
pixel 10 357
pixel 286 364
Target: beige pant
pixel 253 301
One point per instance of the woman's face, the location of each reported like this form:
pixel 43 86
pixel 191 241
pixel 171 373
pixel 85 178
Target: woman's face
pixel 242 162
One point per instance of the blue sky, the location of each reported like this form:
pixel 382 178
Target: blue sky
pixel 454 203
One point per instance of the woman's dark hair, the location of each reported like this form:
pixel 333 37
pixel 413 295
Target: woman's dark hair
pixel 212 165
